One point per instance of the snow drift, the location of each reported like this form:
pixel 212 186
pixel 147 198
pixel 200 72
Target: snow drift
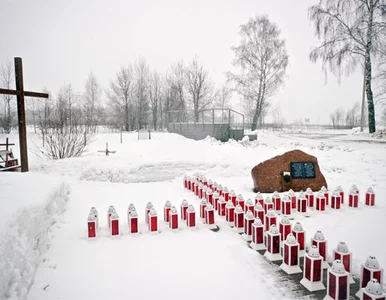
pixel 24 240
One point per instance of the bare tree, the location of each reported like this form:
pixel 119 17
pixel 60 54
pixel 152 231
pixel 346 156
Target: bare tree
pixel 7 110
pixel 141 91
pixel 262 59
pixel 120 97
pixel 350 31
pixel 278 118
pixel 34 106
pixel 92 97
pixel 199 87
pixel 155 94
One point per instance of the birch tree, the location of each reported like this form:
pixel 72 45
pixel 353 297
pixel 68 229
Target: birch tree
pixel 350 32
pixel 92 97
pixel 262 60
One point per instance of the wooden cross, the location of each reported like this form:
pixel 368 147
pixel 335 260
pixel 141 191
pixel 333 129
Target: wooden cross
pixel 107 151
pixel 7 144
pixel 20 94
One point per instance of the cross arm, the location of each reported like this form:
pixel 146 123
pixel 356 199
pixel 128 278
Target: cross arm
pixel 26 93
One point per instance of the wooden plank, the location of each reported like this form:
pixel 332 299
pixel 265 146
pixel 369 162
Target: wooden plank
pixel 26 93
pixel 9 168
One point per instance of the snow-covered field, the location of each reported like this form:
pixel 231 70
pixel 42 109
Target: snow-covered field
pixel 44 252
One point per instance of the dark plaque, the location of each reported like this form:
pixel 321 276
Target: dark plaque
pixel 302 170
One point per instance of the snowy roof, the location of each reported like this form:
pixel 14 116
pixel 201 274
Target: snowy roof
pixel 273 229
pixel 230 203
pixel 319 236
pixel 342 247
pixel 249 215
pixel 271 213
pixel 258 206
pixel 374 288
pixel 297 227
pixel 257 222
pixel 338 267
pixel 372 262
pixel 285 220
pixel 291 239
pixel 249 202
pixel 313 252
pixel 259 196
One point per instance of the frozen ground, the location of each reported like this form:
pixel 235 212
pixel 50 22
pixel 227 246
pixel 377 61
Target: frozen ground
pixel 46 221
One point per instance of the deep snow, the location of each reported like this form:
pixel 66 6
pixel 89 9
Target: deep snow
pixel 187 264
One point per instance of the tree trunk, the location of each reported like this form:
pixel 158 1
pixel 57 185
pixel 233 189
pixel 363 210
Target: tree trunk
pixel 126 117
pixel 368 70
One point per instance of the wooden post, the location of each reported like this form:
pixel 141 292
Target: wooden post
pixel 21 114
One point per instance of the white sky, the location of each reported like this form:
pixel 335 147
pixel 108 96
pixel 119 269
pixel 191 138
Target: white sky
pixel 63 41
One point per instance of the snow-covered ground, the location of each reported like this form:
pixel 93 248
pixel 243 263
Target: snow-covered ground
pixel 44 252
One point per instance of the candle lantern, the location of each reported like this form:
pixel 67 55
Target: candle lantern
pixel 290 263
pixel 204 181
pixel 320 242
pixel 204 190
pixel 193 187
pixel 239 219
pixel 370 197
pixel 114 224
pixel 324 191
pixel 210 196
pixel 257 235
pixel 353 198
pixel 216 197
pixel 240 201
pixel 370 270
pixel 91 225
pixel 209 216
pixel 185 181
pixel 270 219
pixel 373 291
pixel 130 210
pixel 226 194
pixel 94 211
pixel 354 188
pixel 110 211
pixel 300 236
pixel 284 228
pixel 276 202
pixel 336 200
pixel 167 208
pixel 230 213
pixel 273 244
pixel 286 207
pixel 190 216
pixel 248 221
pixel 312 271
pixel 259 212
pixel 292 196
pixel 173 218
pixel 149 206
pixel 221 206
pixel 200 188
pixel 268 204
pixel 184 207
pixel 337 282
pixel 320 202
pixel 215 186
pixel 220 189
pixel 233 197
pixel 341 193
pixel 196 188
pixel 310 197
pixel 249 205
pixel 302 203
pixel 133 222
pixel 259 199
pixel 203 205
pixel 210 184
pixel 153 220
pixel 343 254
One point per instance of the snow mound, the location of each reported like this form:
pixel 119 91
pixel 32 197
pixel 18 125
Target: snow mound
pixel 23 242
pixel 379 134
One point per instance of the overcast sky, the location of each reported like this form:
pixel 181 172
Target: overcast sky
pixel 63 41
